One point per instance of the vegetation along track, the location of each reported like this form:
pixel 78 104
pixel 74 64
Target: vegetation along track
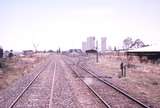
pixel 36 93
pixel 110 95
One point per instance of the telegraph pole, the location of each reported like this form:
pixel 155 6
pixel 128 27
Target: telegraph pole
pixel 97 51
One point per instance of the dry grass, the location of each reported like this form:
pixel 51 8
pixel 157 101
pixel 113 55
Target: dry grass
pixel 16 68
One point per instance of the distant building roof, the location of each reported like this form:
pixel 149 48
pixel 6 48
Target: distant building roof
pixel 152 48
pixel 28 52
pixel 91 51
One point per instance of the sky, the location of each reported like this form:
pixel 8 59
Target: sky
pixel 50 24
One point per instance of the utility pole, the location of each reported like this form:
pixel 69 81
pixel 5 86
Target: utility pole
pixel 97 51
pixel 59 50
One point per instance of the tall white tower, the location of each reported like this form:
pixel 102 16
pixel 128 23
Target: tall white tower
pixel 103 44
pixel 91 43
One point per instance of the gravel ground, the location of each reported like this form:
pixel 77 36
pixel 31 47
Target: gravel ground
pixel 84 96
pixel 111 96
pixel 68 90
pixel 38 94
pixel 63 96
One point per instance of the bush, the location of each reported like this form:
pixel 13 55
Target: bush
pixel 2 63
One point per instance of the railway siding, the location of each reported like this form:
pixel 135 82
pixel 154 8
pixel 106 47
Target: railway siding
pixel 108 93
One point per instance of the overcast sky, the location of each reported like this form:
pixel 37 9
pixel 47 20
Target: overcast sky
pixel 66 23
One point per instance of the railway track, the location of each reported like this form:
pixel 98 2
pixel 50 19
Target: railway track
pixel 36 93
pixel 109 94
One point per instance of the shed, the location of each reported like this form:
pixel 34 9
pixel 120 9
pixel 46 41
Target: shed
pixel 150 53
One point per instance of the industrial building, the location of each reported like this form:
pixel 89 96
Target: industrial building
pixel 91 43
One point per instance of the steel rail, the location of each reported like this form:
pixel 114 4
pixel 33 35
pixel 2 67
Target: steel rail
pixel 26 88
pixel 90 88
pixel 52 88
pixel 115 87
pixel 105 103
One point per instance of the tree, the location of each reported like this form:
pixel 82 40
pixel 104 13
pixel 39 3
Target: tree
pixel 1 52
pixel 35 46
pixel 127 42
pixel 1 56
pixel 10 54
pixel 115 49
pixel 137 44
